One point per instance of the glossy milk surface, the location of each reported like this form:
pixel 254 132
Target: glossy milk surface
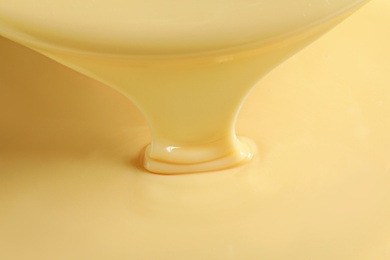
pixel 72 188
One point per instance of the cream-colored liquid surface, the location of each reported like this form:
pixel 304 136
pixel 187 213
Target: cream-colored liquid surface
pixel 152 27
pixel 190 99
pixel 72 188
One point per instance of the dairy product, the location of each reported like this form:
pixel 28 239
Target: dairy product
pixel 155 28
pixel 189 88
pixel 72 188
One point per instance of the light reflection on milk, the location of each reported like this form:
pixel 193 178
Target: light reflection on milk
pixel 316 188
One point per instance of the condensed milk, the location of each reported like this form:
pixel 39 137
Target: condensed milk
pixel 187 65
pixel 316 188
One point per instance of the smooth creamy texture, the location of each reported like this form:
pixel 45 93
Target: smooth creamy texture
pixel 190 101
pixel 318 190
pixel 162 27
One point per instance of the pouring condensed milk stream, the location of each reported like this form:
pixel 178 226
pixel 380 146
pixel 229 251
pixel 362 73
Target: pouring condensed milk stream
pixel 188 65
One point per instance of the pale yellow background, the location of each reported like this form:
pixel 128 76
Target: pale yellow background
pixel 70 187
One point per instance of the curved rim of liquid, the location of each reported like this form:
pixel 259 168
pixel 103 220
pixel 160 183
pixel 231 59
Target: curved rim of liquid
pixel 220 55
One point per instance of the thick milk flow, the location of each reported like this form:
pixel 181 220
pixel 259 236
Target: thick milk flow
pixel 71 187
pixel 190 76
